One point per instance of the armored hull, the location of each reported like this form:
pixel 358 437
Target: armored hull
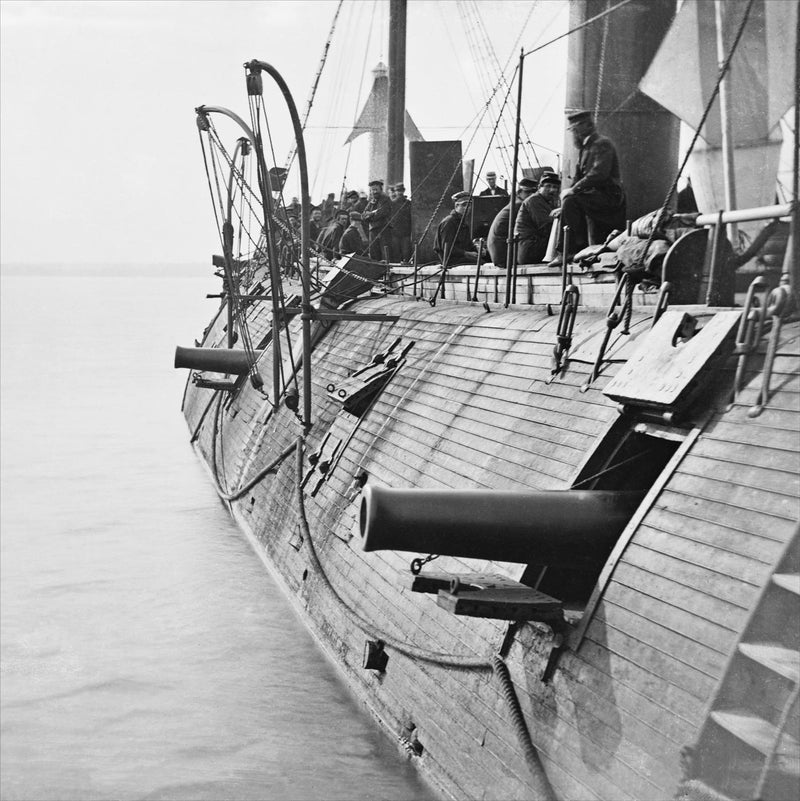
pixel 667 663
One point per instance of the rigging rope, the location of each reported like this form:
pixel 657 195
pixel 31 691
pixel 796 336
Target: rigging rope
pixel 310 102
pixel 602 65
pixel 664 210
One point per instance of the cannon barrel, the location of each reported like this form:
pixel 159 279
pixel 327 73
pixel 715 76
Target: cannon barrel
pixel 570 527
pixel 232 361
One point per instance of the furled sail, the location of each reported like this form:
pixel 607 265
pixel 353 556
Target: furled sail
pixel 684 72
pixel 373 120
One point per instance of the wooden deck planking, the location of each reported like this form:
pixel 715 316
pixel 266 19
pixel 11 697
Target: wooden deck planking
pixel 734 591
pixel 770 480
pixel 707 611
pixel 661 629
pixel 713 559
pixel 660 664
pixel 735 496
pixel 774 439
pixel 743 543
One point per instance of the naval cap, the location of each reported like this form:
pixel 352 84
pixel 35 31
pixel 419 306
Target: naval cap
pixel 352 193
pixel 527 183
pixel 574 117
pixel 400 187
pixel 376 182
pixel 549 178
pixel 355 216
pixel 459 196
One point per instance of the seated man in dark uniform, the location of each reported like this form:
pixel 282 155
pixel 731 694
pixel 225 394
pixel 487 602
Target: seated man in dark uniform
pixel 328 241
pixel 532 228
pixel 452 243
pixel 596 193
pixel 352 240
pixel 497 240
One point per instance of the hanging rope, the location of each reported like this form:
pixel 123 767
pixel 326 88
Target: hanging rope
pixel 602 65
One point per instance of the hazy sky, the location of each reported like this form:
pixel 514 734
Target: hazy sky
pixel 100 155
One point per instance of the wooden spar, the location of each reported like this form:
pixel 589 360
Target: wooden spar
pixel 397 92
pixel 510 249
pixel 729 174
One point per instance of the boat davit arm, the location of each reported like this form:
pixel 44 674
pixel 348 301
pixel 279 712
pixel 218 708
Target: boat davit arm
pixel 255 87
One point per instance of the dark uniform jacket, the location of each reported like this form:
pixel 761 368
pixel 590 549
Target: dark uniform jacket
pixel 352 242
pixel 533 219
pixel 377 214
pixel 401 217
pixel 598 167
pixel 328 240
pixel 496 242
pixel 452 234
pixel 498 191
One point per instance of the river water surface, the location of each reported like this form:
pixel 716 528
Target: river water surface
pixel 146 653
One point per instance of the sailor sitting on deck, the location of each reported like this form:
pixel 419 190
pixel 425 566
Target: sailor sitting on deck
pixel 533 224
pixel 328 241
pixel 352 240
pixel 452 243
pixel 497 240
pixel 596 194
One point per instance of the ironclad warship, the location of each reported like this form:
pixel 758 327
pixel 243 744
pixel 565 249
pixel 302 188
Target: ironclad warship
pixel 602 456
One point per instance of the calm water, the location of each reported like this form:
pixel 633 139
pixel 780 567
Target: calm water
pixel 146 653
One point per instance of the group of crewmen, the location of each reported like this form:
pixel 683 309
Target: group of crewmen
pixel 378 226
pixel 595 198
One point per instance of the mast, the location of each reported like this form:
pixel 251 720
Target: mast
pixel 397 91
pixel 729 174
pixel 606 63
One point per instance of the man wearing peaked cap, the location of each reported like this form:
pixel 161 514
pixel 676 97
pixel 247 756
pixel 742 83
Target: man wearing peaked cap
pixel 596 194
pixel 532 228
pixel 452 243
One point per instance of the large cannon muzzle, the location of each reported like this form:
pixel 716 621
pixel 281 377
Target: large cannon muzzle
pixel 569 528
pixel 231 361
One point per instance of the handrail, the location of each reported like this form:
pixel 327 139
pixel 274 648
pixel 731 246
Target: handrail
pixel 745 215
